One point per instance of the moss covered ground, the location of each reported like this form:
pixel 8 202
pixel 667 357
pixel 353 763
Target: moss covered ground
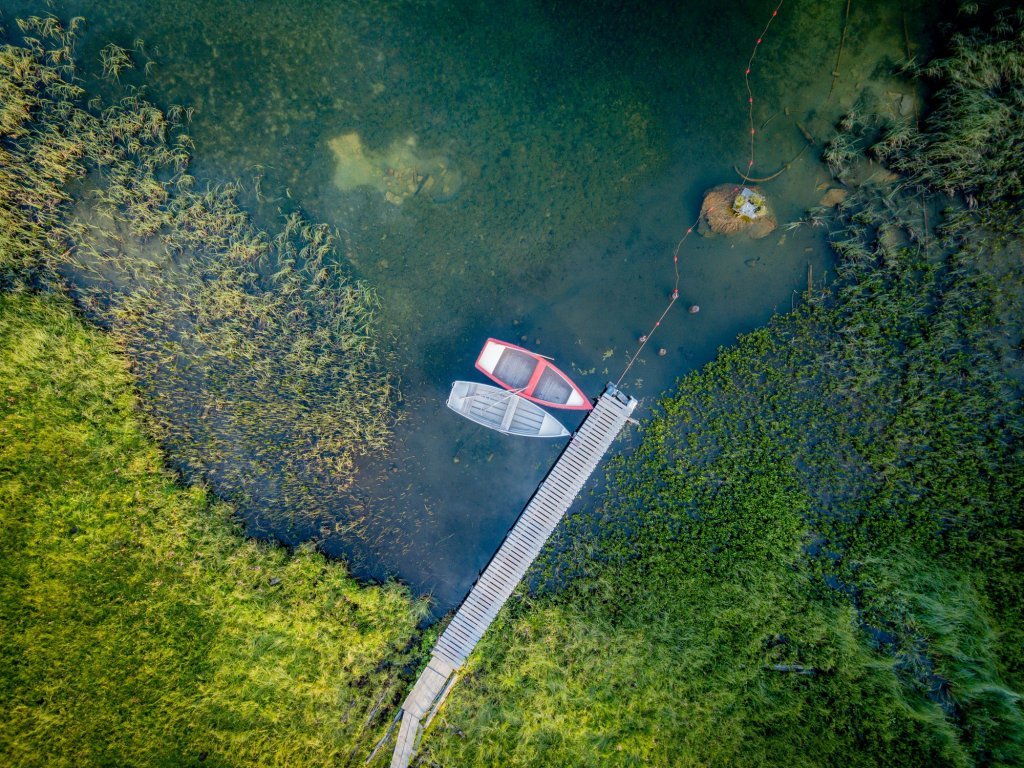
pixel 137 626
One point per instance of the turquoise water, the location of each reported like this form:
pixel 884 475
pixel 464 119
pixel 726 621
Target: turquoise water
pixel 569 145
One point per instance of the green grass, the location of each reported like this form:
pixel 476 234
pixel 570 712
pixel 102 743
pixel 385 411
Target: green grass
pixel 705 643
pixel 813 556
pixel 137 625
pixel 257 353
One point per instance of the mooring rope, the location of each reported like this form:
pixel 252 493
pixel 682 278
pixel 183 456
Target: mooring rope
pixel 750 92
pixel 672 300
pixel 689 230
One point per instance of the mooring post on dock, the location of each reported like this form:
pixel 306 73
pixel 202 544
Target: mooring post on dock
pixel 522 544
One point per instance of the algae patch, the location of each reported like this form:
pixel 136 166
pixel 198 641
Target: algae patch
pixel 401 171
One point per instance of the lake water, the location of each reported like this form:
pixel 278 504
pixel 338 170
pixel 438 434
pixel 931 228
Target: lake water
pixel 567 146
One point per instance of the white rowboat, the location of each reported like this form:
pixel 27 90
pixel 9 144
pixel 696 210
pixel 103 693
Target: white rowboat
pixel 503 411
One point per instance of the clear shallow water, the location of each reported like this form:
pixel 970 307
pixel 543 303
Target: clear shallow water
pixel 584 137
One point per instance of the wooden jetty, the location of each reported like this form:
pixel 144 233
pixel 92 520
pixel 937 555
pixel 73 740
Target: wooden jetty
pixel 506 569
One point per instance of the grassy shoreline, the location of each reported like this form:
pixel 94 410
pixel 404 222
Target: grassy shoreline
pixel 257 353
pixel 811 559
pixel 813 556
pixel 137 625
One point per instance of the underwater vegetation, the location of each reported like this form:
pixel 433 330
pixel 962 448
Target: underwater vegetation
pixel 257 356
pixel 137 625
pixel 976 134
pixel 812 558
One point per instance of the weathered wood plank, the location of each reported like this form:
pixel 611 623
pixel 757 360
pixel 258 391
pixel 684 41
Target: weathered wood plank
pixel 528 540
pixel 524 541
pixel 553 497
pixel 457 638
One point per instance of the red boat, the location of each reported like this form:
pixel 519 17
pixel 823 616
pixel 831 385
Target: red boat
pixel 530 375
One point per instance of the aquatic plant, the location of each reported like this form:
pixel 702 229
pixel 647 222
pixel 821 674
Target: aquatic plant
pixel 137 625
pixel 115 60
pixel 258 356
pixel 840 151
pixel 39 153
pixel 973 140
pixel 811 556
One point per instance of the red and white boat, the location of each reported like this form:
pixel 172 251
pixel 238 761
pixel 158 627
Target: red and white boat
pixel 530 375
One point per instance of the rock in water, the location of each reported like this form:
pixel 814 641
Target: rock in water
pixel 732 208
pixel 833 197
pixel 401 171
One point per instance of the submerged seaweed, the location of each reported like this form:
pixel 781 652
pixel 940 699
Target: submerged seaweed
pixel 258 355
pixel 812 557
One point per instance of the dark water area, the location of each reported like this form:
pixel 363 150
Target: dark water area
pixel 567 148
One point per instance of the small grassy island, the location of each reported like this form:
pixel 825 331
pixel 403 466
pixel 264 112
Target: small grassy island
pixel 812 557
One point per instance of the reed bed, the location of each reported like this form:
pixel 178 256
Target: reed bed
pixel 137 625
pixel 258 357
pixel 811 558
pixel 975 136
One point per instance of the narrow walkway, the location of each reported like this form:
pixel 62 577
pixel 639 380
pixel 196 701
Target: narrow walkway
pixel 517 552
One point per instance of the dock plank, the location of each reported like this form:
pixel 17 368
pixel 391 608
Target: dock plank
pixel 524 541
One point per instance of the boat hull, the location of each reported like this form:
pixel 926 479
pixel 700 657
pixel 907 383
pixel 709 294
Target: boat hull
pixel 505 412
pixel 530 375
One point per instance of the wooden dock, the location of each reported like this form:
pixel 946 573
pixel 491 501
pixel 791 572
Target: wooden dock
pixel 506 569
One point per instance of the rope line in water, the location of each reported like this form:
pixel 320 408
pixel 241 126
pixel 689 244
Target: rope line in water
pixel 689 230
pixel 750 92
pixel 672 300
